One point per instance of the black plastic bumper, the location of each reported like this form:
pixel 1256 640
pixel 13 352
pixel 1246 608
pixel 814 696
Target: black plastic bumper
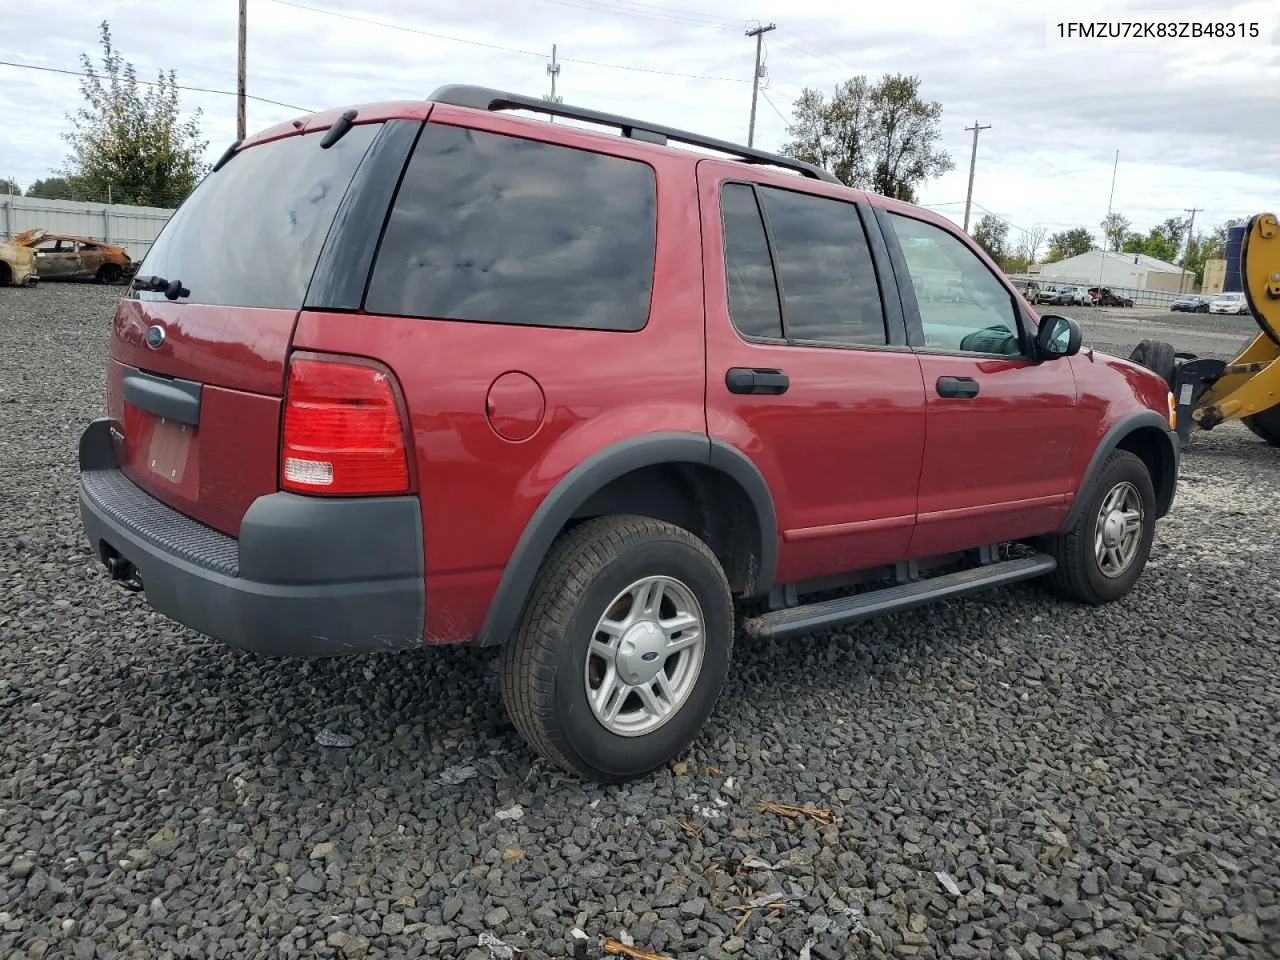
pixel 308 577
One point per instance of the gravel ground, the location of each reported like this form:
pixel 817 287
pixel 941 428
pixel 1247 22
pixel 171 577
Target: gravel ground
pixel 1007 776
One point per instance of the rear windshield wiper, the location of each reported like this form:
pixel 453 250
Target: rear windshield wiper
pixel 173 289
pixel 338 130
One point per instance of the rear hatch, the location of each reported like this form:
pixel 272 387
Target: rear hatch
pixel 196 383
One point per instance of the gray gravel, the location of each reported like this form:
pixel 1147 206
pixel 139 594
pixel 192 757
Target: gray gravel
pixel 1087 782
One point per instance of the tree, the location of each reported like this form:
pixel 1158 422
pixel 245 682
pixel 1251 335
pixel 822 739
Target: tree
pixel 1203 247
pixel 52 188
pixel 1029 242
pixel 881 137
pixel 992 234
pixel 1163 241
pixel 10 187
pixel 1115 227
pixel 127 146
pixel 1069 243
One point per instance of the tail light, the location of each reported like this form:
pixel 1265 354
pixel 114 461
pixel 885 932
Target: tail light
pixel 343 430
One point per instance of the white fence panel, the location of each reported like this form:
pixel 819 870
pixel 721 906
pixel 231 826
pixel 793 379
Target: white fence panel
pixel 134 228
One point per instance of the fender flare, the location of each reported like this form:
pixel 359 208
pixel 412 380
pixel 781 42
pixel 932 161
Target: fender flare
pixel 1111 440
pixel 590 476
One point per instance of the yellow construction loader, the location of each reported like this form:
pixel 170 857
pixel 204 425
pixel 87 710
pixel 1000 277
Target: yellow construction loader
pixel 1211 392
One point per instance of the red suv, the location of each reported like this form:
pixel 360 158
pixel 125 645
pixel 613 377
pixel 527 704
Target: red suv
pixel 435 373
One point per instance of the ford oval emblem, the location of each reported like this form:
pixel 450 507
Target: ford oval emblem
pixel 155 336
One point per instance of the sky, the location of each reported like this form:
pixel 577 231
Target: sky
pixel 1196 123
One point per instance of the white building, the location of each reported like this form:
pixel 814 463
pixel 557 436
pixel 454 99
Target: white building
pixel 1134 271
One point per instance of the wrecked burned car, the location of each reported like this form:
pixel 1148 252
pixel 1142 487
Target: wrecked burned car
pixel 63 257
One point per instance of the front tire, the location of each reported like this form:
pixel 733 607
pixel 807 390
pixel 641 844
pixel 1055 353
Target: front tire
pixel 622 649
pixel 1265 425
pixel 1105 550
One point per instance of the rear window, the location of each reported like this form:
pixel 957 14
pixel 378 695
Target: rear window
pixel 501 229
pixel 250 234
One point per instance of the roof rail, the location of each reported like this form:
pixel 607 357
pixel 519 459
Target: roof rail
pixel 484 98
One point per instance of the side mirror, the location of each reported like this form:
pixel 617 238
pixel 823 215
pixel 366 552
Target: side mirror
pixel 1058 337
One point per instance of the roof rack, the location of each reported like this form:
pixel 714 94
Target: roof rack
pixel 484 98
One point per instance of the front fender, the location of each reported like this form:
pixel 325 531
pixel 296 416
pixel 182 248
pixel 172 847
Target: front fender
pixel 1126 427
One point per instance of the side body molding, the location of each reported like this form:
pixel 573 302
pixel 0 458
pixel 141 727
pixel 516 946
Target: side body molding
pixel 590 476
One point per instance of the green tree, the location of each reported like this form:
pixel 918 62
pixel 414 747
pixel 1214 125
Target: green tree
pixel 881 137
pixel 53 188
pixel 128 146
pixel 1115 227
pixel 1203 247
pixel 1069 243
pixel 992 234
pixel 10 187
pixel 1134 243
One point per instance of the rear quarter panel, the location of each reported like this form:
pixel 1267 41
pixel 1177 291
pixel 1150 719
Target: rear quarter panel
pixel 479 490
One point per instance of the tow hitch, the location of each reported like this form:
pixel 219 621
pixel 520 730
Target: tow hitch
pixel 123 572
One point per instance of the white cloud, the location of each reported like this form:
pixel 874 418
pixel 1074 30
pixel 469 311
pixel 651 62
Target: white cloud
pixel 1194 127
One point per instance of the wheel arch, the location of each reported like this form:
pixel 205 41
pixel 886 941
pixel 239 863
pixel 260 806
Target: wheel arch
pixel 1147 435
pixel 657 474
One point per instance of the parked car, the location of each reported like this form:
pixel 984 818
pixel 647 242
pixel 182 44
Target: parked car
pixel 17 265
pixel 1053 293
pixel 1229 303
pixel 62 257
pixel 1190 303
pixel 465 377
pixel 1107 298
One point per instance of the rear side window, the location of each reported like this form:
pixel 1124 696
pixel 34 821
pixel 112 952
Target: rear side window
pixel 250 234
pixel 753 293
pixel 502 229
pixel 830 294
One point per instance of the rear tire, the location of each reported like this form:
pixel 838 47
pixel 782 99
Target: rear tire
pixel 6 275
pixel 586 622
pixel 1158 357
pixel 1105 550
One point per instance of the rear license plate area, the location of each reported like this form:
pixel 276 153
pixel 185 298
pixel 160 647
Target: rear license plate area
pixel 168 450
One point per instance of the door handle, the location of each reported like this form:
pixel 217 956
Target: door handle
pixel 963 388
pixel 755 381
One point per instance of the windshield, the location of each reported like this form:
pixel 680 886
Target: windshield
pixel 250 233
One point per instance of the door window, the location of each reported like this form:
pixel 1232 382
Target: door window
pixel 963 307
pixel 830 294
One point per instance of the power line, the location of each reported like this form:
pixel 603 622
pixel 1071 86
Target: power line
pixel 497 46
pixel 153 83
pixel 780 114
pixel 637 12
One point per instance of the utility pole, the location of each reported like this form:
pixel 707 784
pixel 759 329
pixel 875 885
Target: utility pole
pixel 553 71
pixel 758 33
pixel 1102 259
pixel 973 159
pixel 240 73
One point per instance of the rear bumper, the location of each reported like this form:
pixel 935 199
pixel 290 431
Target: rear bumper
pixel 308 577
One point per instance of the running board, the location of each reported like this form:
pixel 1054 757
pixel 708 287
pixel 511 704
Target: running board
pixel 863 606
